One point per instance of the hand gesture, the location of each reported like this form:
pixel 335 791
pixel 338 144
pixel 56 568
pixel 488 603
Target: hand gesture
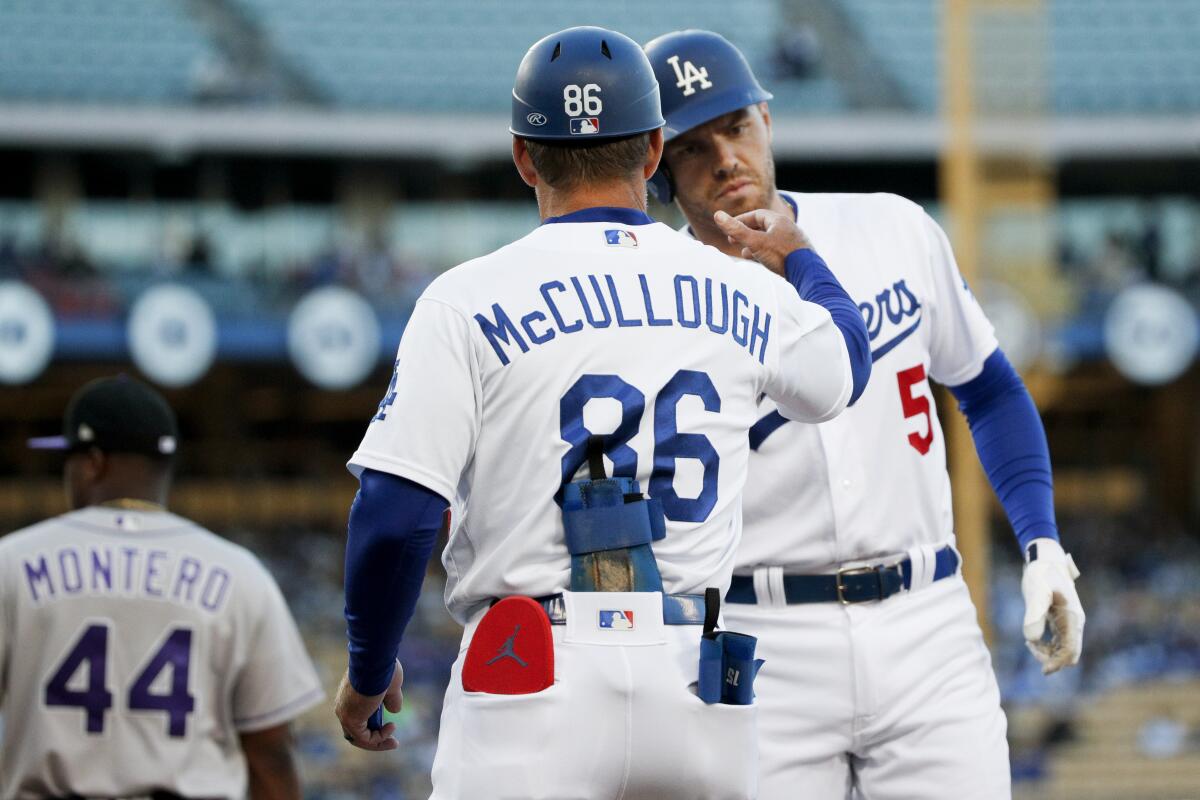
pixel 767 237
pixel 354 710
pixel 1050 599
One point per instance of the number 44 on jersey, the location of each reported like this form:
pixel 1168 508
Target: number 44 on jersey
pixel 90 652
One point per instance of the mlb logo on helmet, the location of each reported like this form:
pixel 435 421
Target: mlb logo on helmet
pixel 583 126
pixel 620 238
pixel 616 620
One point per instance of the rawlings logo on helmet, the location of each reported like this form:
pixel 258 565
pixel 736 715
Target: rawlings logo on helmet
pixel 536 119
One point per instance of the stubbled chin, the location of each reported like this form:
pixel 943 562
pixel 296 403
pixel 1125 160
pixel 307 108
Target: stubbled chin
pixel 737 203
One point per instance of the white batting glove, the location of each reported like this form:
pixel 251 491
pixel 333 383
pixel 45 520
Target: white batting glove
pixel 1050 598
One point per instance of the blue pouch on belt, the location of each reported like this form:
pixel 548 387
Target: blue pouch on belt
pixel 609 527
pixel 727 663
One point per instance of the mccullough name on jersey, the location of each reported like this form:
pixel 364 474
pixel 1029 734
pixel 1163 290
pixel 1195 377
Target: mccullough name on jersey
pixel 596 301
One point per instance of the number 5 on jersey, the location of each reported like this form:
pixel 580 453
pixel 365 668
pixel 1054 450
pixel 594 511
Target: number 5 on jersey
pixel 916 405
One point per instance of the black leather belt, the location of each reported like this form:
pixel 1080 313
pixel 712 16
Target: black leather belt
pixel 678 609
pixel 846 586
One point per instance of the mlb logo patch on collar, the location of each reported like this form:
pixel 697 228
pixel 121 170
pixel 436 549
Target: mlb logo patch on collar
pixel 613 620
pixel 584 126
pixel 620 238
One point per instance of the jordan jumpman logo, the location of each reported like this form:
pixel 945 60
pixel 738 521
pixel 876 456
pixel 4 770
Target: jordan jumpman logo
pixel 507 651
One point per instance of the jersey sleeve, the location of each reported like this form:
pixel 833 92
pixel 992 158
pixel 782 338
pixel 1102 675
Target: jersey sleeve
pixel 278 681
pixel 809 377
pixel 962 337
pixel 427 423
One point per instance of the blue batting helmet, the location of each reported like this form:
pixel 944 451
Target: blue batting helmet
pixel 701 76
pixel 584 83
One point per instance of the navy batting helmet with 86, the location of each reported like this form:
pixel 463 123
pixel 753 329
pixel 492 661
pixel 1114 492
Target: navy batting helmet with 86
pixel 701 76
pixel 582 84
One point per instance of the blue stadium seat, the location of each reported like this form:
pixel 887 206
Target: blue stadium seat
pixel 1115 56
pixel 115 51
pixel 462 55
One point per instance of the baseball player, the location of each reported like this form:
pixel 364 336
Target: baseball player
pixel 877 680
pixel 141 655
pixel 601 345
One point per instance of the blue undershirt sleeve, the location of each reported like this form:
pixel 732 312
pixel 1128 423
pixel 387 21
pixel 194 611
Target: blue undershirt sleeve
pixel 393 527
pixel 1011 444
pixel 809 274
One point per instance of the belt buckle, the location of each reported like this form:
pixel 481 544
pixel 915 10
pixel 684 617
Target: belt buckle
pixel 841 587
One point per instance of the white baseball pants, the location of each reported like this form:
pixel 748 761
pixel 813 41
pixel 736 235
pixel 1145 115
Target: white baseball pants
pixel 891 700
pixel 621 721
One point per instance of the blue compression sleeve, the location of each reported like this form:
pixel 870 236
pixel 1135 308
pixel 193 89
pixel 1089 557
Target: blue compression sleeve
pixel 393 527
pixel 816 284
pixel 1011 444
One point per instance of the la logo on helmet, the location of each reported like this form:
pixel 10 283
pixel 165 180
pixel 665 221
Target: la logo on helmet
pixel 689 75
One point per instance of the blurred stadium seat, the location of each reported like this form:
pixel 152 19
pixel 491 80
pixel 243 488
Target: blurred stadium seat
pixel 99 51
pixel 1119 56
pixel 440 56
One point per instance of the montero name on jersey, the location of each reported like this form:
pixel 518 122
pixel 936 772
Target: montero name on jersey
pixel 126 571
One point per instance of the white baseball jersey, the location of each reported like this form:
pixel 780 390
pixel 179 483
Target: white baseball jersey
pixel 630 331
pixel 134 647
pixel 872 482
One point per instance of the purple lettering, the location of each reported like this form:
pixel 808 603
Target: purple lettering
pixel 189 571
pixel 129 553
pixel 175 653
pixel 152 561
pixel 215 589
pixel 39 575
pixel 72 577
pixel 101 568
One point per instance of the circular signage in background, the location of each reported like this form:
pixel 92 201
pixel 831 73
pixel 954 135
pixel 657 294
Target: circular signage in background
pixel 26 333
pixel 334 337
pixel 1017 326
pixel 1151 334
pixel 172 335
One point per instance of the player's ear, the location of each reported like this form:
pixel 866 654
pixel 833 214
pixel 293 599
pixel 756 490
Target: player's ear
pixel 653 153
pixel 524 163
pixel 765 111
pixel 95 465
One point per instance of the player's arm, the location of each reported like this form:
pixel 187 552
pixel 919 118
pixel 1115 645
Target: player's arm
pixel 394 524
pixel 777 242
pixel 1011 444
pixel 271 759
pixel 409 465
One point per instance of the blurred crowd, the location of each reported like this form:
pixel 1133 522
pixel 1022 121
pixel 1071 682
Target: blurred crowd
pixel 308 566
pixel 1124 254
pixel 77 284
pixel 1139 577
pixel 1095 261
